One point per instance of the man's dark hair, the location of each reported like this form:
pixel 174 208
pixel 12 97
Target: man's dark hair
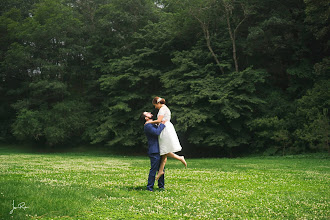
pixel 142 117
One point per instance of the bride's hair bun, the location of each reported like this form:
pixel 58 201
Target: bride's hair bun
pixel 158 100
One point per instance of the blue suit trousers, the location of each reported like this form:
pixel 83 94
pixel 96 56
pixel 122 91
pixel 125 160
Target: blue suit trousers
pixel 155 163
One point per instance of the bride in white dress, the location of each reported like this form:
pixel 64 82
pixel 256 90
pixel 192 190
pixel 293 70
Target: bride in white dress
pixel 168 139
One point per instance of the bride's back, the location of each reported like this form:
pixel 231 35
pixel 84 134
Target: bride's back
pixel 164 110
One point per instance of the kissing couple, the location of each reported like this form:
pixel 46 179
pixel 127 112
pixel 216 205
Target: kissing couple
pixel 163 142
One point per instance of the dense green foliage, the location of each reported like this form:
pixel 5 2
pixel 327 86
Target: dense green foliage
pixel 104 186
pixel 238 75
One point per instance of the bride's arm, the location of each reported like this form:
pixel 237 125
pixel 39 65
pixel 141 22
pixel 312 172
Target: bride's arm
pixel 159 120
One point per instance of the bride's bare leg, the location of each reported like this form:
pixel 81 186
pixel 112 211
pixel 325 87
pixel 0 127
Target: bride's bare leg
pixel 181 158
pixel 161 166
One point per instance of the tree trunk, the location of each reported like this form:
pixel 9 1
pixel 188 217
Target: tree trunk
pixel 206 32
pixel 231 33
pixel 233 40
pixel 208 43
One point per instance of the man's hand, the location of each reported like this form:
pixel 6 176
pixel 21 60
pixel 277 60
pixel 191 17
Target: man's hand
pixel 163 122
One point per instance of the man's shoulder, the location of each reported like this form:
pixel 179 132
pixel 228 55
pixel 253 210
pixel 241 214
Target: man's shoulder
pixel 148 125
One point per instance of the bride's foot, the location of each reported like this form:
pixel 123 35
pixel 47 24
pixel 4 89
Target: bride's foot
pixel 183 161
pixel 159 175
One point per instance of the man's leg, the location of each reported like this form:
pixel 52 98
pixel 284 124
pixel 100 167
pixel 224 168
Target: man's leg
pixel 154 162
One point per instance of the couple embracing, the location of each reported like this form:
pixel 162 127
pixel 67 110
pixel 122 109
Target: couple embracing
pixel 163 142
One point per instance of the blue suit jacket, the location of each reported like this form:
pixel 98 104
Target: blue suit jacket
pixel 152 131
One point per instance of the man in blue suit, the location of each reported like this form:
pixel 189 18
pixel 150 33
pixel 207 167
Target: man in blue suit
pixel 152 131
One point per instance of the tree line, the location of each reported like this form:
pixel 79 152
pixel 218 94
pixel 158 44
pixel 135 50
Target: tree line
pixel 240 76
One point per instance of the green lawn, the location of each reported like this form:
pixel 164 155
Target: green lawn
pixel 103 186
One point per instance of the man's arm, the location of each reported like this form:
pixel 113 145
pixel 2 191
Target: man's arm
pixel 150 129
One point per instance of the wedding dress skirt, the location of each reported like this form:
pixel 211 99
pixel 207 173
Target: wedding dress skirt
pixel 168 140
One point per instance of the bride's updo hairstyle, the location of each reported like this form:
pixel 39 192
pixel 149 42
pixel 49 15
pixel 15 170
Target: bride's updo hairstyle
pixel 158 100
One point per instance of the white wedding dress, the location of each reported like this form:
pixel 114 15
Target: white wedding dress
pixel 168 139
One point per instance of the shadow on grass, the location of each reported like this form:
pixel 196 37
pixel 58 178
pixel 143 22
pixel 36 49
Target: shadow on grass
pixel 136 188
pixel 141 189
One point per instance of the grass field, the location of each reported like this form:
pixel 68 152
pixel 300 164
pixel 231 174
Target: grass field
pixel 104 186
